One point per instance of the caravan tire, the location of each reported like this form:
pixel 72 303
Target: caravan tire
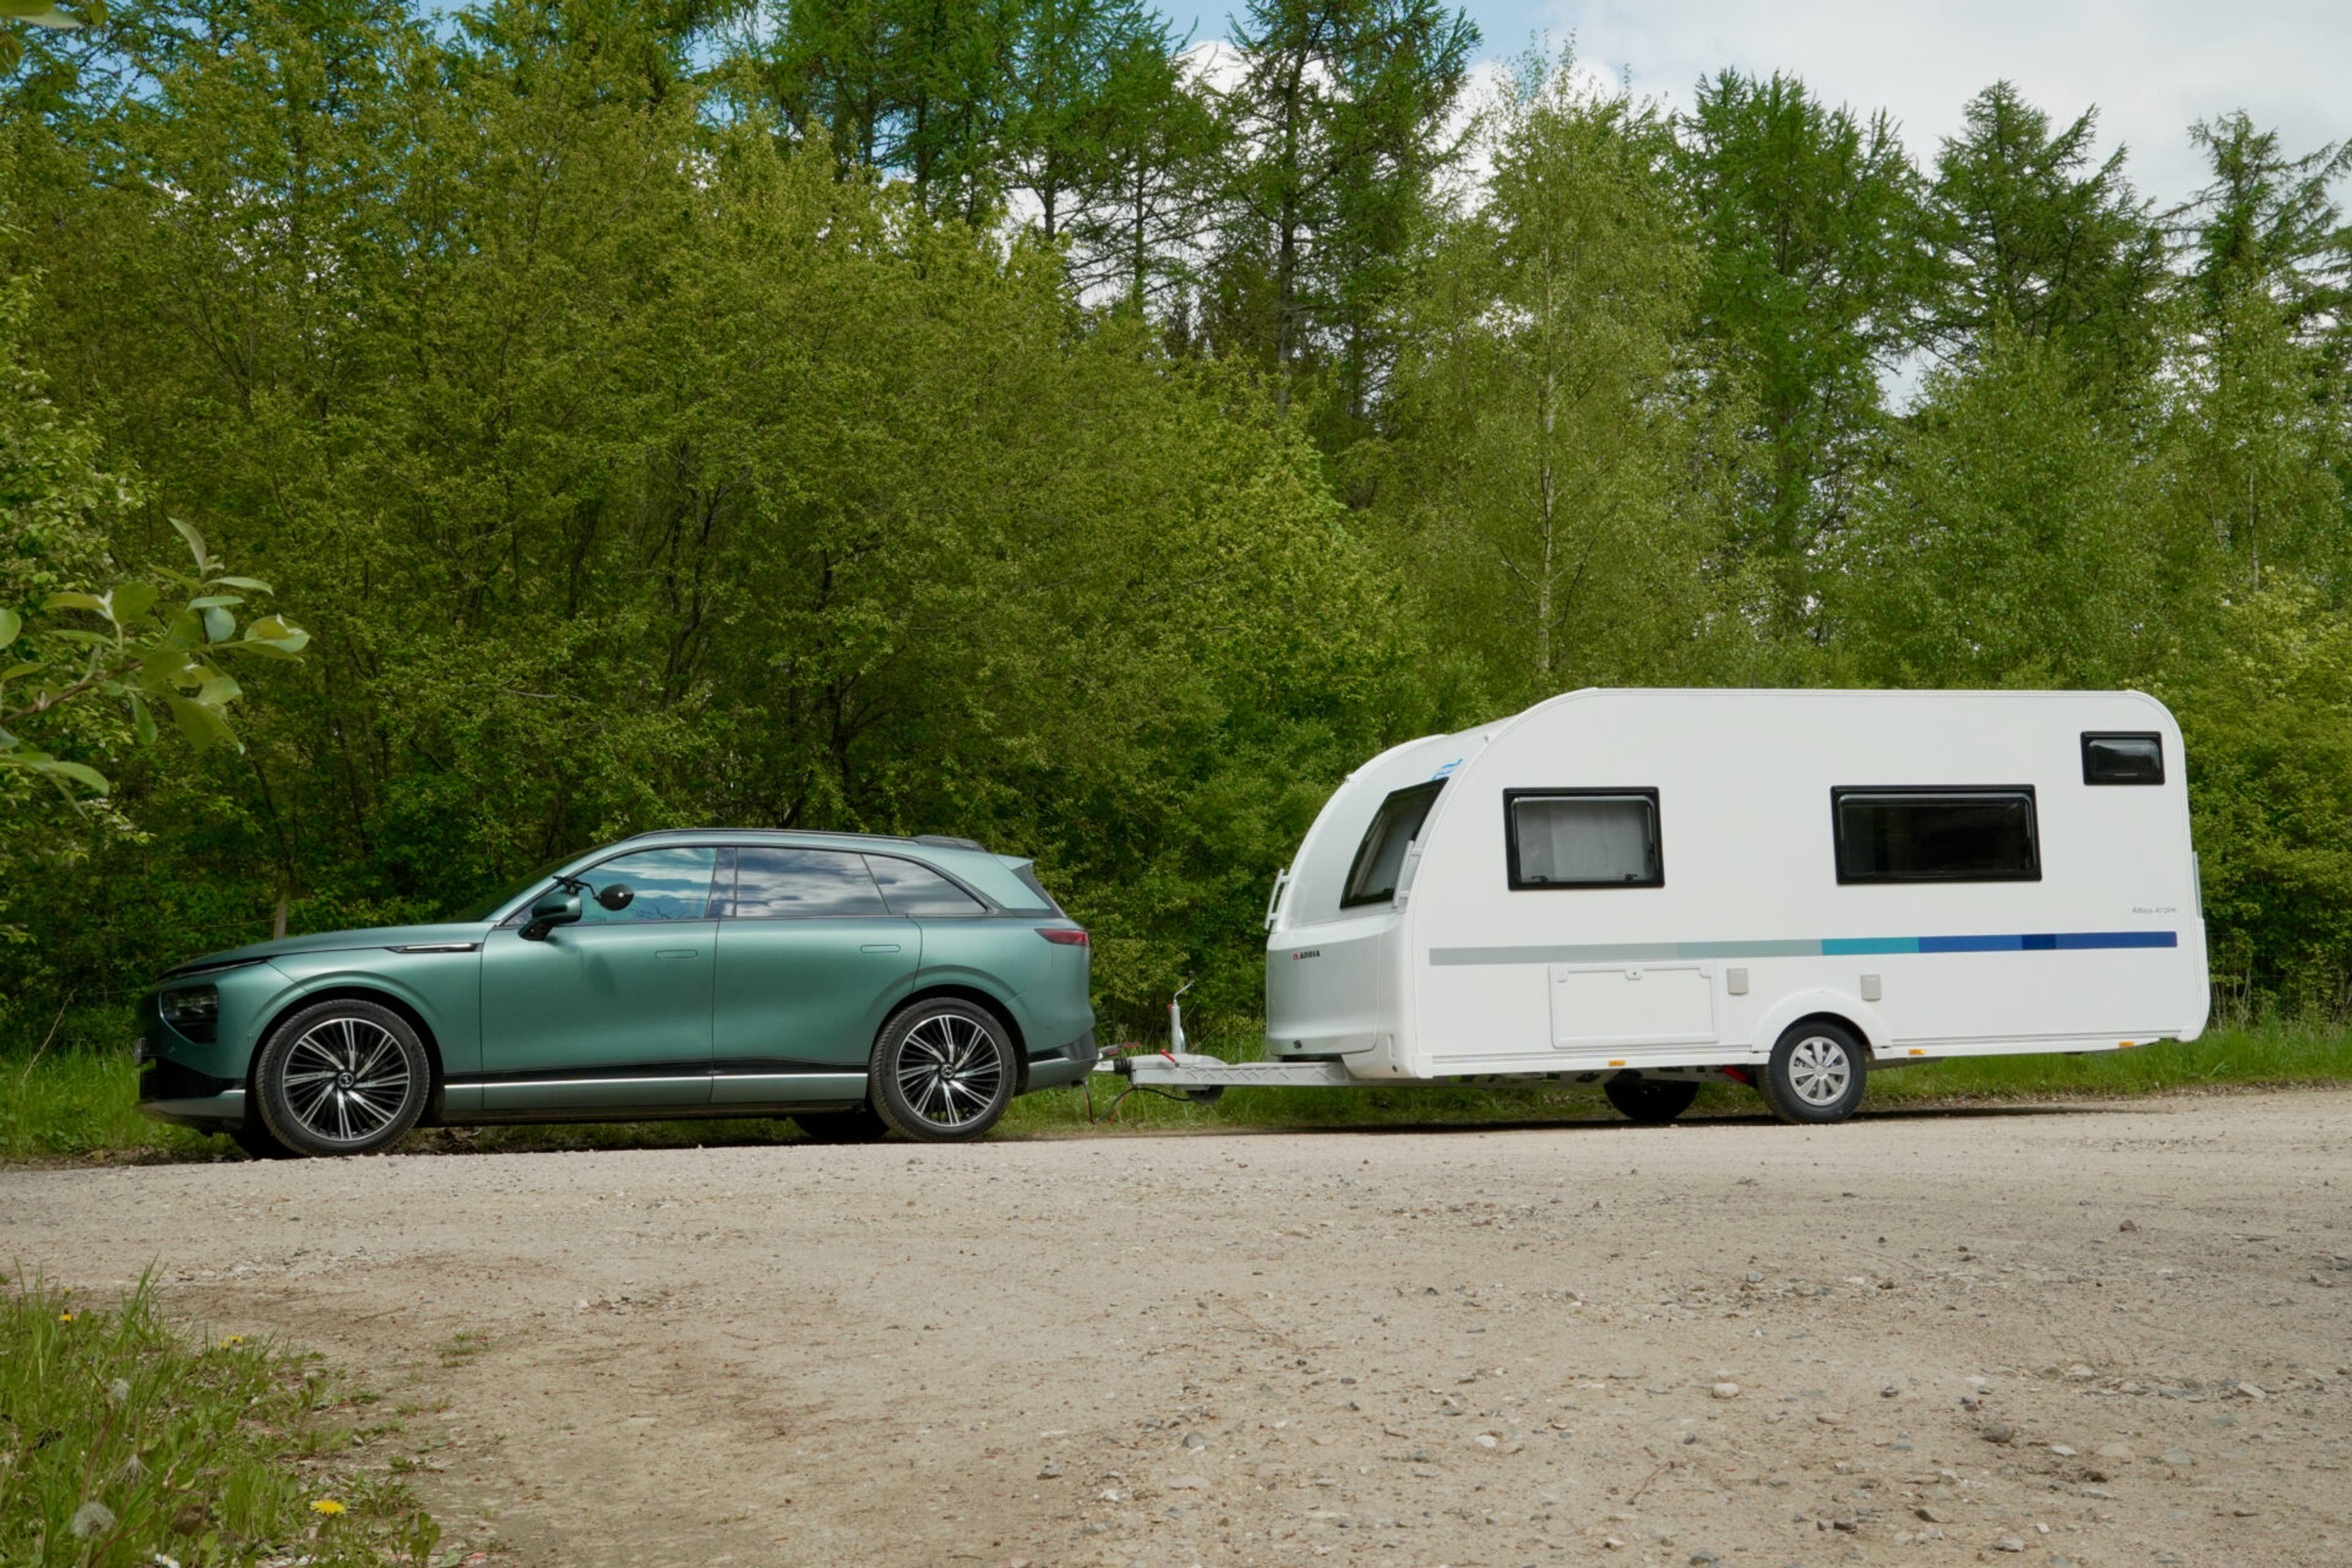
pixel 1651 1102
pixel 1816 1073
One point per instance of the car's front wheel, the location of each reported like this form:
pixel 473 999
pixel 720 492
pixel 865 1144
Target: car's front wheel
pixel 942 1070
pixel 341 1078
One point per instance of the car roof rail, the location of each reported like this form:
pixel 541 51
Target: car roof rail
pixel 948 841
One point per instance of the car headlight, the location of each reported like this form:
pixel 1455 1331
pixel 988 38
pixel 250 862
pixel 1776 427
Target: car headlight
pixel 193 1011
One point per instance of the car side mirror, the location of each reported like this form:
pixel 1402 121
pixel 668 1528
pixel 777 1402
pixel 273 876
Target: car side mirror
pixel 615 896
pixel 554 909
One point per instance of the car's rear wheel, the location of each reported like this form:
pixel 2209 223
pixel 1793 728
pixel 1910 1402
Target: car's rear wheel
pixel 857 1124
pixel 942 1070
pixel 341 1078
pixel 1654 1101
pixel 1816 1073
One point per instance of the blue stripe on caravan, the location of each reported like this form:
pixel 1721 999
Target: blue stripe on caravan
pixel 1831 947
pixel 2073 939
pixel 1977 943
pixel 1846 946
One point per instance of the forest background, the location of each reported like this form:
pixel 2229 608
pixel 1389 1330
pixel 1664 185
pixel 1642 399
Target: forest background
pixel 995 418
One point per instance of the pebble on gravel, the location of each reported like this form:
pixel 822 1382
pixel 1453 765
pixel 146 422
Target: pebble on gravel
pixel 1725 1391
pixel 2001 1432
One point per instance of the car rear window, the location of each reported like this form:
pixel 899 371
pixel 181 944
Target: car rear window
pixel 782 884
pixel 1028 875
pixel 912 890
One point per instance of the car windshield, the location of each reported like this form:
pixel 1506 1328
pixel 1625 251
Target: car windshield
pixel 484 908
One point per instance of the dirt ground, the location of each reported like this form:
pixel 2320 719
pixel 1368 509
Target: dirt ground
pixel 2092 1335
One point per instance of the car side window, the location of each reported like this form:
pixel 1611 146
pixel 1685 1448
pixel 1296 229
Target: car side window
pixel 913 889
pixel 670 884
pixel 785 884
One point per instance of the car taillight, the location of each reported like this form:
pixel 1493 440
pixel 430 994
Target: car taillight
pixel 1063 936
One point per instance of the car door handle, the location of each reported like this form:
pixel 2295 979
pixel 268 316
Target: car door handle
pixel 879 947
pixel 675 953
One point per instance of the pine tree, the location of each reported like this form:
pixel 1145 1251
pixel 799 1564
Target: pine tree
pixel 1807 218
pixel 1338 138
pixel 2027 230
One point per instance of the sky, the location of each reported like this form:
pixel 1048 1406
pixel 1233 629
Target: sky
pixel 2152 67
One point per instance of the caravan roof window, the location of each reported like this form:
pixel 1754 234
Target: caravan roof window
pixel 1959 835
pixel 1584 838
pixel 1372 877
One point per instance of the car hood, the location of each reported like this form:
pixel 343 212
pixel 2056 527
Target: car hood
pixel 337 941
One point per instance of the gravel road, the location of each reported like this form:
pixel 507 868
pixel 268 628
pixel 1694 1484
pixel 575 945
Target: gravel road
pixel 2098 1335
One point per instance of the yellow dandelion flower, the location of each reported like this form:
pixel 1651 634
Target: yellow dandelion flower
pixel 232 1339
pixel 328 1506
pixel 65 1317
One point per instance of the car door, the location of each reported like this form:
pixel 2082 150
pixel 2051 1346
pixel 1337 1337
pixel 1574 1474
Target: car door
pixel 809 961
pixel 614 1010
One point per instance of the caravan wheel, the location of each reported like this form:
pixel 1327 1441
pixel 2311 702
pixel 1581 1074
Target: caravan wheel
pixel 1653 1101
pixel 1816 1074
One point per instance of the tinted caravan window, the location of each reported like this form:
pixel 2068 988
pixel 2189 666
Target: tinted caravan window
pixel 1584 838
pixel 1372 878
pixel 1937 834
pixel 2137 759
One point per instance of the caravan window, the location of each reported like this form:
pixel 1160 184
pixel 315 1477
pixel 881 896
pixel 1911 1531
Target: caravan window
pixel 1936 835
pixel 2123 759
pixel 1372 878
pixel 1584 838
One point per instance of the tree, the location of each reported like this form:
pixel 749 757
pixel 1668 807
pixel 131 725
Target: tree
pixel 2026 229
pixel 1145 209
pixel 1338 134
pixel 1546 480
pixel 1806 217
pixel 2268 223
pixel 2016 540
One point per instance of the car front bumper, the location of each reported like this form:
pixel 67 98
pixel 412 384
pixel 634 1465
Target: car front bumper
pixel 171 1092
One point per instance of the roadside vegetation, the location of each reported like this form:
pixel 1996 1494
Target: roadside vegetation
pixel 81 1104
pixel 128 1440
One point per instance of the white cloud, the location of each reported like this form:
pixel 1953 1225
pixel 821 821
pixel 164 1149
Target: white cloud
pixel 2152 67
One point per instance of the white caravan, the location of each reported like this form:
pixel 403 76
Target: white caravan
pixel 1653 888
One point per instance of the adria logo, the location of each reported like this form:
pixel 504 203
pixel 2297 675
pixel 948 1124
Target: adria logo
pixel 1310 953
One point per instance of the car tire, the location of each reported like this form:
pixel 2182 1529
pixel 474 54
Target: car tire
pixel 341 1078
pixel 1816 1074
pixel 942 1070
pixel 1651 1102
pixel 858 1124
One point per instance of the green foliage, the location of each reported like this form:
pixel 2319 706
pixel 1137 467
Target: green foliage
pixel 125 1445
pixel 977 419
pixel 1546 483
pixel 2028 233
pixel 2009 544
pixel 1808 223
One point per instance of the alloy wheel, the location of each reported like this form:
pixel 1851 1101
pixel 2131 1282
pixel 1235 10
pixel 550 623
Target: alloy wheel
pixel 346 1080
pixel 950 1070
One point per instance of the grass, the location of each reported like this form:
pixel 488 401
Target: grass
pixel 81 1104
pixel 123 1442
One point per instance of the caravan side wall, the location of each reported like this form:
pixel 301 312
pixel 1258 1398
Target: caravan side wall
pixel 1751 928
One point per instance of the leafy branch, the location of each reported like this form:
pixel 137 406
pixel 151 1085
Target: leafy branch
pixel 148 656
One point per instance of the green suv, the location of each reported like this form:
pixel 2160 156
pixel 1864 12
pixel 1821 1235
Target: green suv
pixel 855 983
